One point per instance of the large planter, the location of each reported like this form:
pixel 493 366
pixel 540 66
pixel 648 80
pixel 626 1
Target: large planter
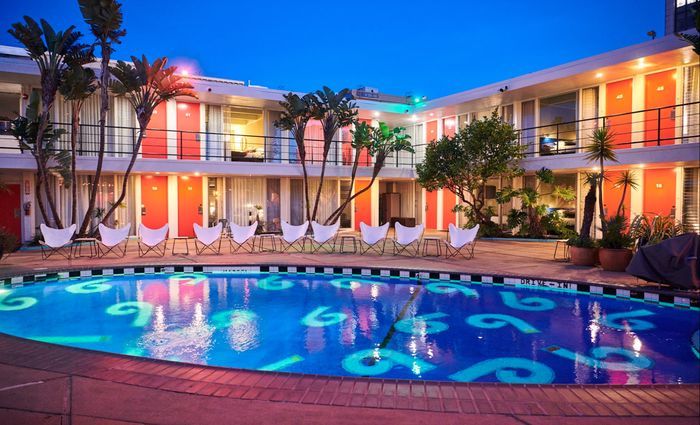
pixel 615 260
pixel 582 256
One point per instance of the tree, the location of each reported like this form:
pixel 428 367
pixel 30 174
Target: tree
pixel 145 86
pixel 334 111
pixel 77 85
pixel 591 179
pixel 601 149
pixel 51 51
pixel 379 142
pixel 530 198
pixel 464 163
pixel 105 20
pixel 627 180
pixel 295 117
pixel 693 39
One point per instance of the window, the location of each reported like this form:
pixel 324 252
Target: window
pixel 507 114
pixel 684 18
pixel 9 109
pixel 557 132
pixel 691 113
pixel 589 113
pixel 691 199
pixel 527 136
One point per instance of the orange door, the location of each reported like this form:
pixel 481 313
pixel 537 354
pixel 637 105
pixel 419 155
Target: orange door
pixel 155 141
pixel 431 209
pixel 11 211
pixel 613 193
pixel 660 124
pixel 431 131
pixel 449 200
pixel 189 204
pixel 363 204
pixel 659 191
pixel 154 201
pixel 618 100
pixel 188 130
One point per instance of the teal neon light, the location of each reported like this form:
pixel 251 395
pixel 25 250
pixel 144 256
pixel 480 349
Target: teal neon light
pixel 142 311
pixel 495 321
pixel 15 304
pixel 273 283
pixel 528 303
pixel 380 361
pixel 423 324
pixel 282 364
pixel 319 319
pixel 506 370
pixel 89 287
pixel 635 361
pixel 628 320
pixel 449 288
pixel 352 283
pixel 189 279
pixel 228 318
pixel 74 339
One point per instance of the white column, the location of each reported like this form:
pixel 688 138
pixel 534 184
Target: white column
pixel 202 131
pixel 439 210
pixel 172 205
pixel 137 203
pixel 679 193
pixel 172 136
pixel 422 205
pixel 374 196
pixel 637 105
pixel 205 201
pixel 285 199
pixel 27 191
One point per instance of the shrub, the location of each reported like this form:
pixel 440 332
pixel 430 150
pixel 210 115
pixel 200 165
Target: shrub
pixel 616 235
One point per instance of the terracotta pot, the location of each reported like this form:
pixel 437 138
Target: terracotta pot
pixel 615 260
pixel 582 256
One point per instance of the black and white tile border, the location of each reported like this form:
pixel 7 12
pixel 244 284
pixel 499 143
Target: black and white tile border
pixel 649 295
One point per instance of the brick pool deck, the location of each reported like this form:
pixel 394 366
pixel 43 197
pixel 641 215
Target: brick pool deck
pixel 48 384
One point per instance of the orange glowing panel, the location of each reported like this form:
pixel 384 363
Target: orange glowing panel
pixel 431 131
pixel 155 141
pixel 154 201
pixel 618 100
pixel 431 207
pixel 449 200
pixel 660 124
pixel 189 204
pixel 659 191
pixel 612 194
pixel 363 204
pixel 188 131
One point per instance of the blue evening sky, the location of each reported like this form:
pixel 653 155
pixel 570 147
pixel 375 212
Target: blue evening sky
pixel 432 48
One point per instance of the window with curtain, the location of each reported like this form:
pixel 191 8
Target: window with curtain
pixel 507 114
pixel 215 127
pixel 589 114
pixel 557 132
pixel 527 136
pixel 243 197
pixel 272 207
pixel 691 113
pixel 328 200
pixel 691 199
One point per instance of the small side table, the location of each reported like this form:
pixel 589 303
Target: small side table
pixel 566 250
pixel 350 238
pixel 77 247
pixel 187 244
pixel 261 242
pixel 435 240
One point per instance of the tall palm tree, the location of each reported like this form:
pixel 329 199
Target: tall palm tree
pixel 296 114
pixel 601 149
pixel 51 51
pixel 334 111
pixel 145 85
pixel 591 179
pixel 104 17
pixel 626 180
pixel 77 85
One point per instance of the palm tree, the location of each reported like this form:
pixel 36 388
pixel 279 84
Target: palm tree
pixel 693 39
pixel 51 51
pixel 334 111
pixel 298 111
pixel 145 86
pixel 105 20
pixel 591 179
pixel 601 149
pixel 78 85
pixel 626 179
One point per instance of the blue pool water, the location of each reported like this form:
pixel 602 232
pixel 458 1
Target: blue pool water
pixel 357 326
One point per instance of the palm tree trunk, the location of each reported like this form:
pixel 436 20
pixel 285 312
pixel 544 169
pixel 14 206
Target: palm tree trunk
pixel 320 182
pixel 104 106
pixel 335 214
pixel 588 210
pixel 603 224
pixel 39 198
pixel 622 200
pixel 127 173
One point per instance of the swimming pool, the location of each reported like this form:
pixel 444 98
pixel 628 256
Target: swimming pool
pixel 363 326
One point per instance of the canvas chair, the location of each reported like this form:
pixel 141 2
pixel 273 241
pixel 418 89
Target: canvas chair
pixel 372 237
pixel 56 241
pixel 153 240
pixel 293 236
pixel 208 237
pixel 111 240
pixel 243 237
pixel 324 236
pixel 407 239
pixel 461 241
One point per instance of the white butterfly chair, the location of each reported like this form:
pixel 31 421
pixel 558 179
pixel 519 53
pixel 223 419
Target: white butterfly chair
pixel 461 241
pixel 324 236
pixel 208 237
pixel 56 241
pixel 407 239
pixel 154 240
pixel 293 236
pixel 243 237
pixel 113 240
pixel 372 237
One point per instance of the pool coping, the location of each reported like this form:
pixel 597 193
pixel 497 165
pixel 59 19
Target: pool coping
pixel 586 400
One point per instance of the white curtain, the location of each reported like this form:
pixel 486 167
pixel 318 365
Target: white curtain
pixel 408 202
pixel 215 138
pixel 242 195
pixel 328 200
pixel 589 111
pixel 691 113
pixel 122 138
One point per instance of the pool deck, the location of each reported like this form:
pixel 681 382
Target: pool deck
pixel 47 384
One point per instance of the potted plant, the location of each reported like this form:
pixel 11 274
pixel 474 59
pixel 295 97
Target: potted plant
pixel 8 242
pixel 615 253
pixel 582 251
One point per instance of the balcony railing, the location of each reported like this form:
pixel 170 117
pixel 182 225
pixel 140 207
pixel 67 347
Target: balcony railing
pixel 652 127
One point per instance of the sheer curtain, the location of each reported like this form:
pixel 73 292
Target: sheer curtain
pixel 589 111
pixel 328 200
pixel 242 195
pixel 528 118
pixel 215 127
pixel 691 113
pixel 313 140
pixel 122 138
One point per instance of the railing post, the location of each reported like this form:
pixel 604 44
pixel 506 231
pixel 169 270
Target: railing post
pixel 658 127
pixel 557 139
pixel 133 140
pixel 180 155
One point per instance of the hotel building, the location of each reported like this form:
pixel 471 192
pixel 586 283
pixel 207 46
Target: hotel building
pixel 221 157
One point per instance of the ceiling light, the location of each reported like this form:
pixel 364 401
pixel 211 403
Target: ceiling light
pixel 432 114
pixel 599 75
pixel 375 114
